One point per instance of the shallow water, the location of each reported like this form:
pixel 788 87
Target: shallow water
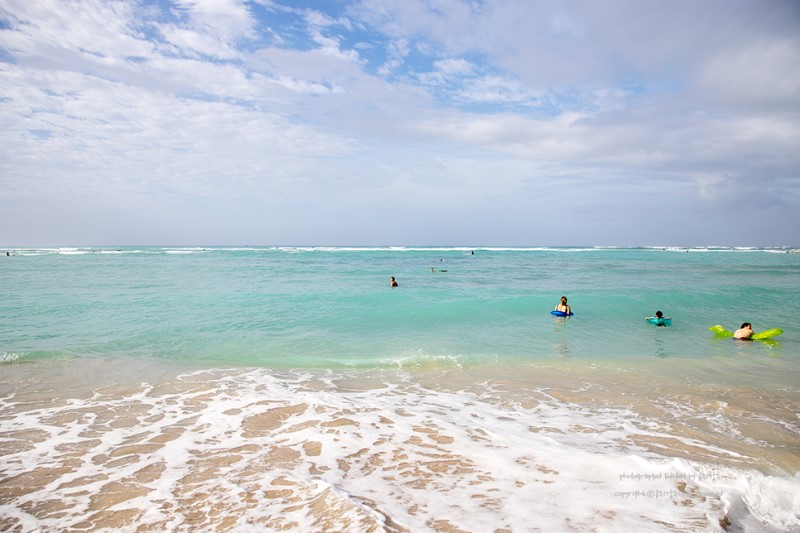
pixel 299 307
pixel 291 389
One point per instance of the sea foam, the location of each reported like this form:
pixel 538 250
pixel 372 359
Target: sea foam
pixel 359 451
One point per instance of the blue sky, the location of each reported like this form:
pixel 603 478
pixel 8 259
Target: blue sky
pixel 400 122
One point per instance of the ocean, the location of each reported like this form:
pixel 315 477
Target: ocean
pixel 293 389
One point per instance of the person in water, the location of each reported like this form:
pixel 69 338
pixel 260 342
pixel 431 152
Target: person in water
pixel 745 332
pixel 659 319
pixel 393 282
pixel 563 307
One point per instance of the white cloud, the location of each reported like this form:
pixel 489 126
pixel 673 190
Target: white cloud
pixel 397 52
pixel 225 21
pixel 321 20
pixel 331 47
pixel 455 67
pixel 192 43
pixel 494 89
pixel 98 32
pixel 763 75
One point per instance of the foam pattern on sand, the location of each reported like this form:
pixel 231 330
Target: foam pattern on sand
pixel 256 450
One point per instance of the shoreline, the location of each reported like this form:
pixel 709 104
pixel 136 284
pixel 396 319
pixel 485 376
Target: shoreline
pixel 358 449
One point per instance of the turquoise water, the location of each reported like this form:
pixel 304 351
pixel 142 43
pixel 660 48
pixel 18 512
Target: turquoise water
pixel 333 307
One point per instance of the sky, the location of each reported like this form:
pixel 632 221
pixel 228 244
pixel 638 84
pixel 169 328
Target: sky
pixel 400 122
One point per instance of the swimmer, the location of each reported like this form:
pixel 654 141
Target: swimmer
pixel 563 307
pixel 659 319
pixel 393 283
pixel 744 333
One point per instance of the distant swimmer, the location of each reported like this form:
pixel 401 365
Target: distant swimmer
pixel 744 333
pixel 563 307
pixel 659 319
pixel 393 283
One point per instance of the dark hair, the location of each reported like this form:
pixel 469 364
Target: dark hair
pixel 659 314
pixel 746 325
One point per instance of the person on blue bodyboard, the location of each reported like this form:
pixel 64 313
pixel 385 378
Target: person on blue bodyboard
pixel 659 320
pixel 562 309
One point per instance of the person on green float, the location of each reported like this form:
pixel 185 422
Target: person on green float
pixel 745 332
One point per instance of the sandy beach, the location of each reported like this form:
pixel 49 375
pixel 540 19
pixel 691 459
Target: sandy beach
pixel 548 447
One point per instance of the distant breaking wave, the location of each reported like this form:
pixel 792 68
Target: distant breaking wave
pixel 35 251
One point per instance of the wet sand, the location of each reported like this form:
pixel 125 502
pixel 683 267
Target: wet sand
pixel 92 444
